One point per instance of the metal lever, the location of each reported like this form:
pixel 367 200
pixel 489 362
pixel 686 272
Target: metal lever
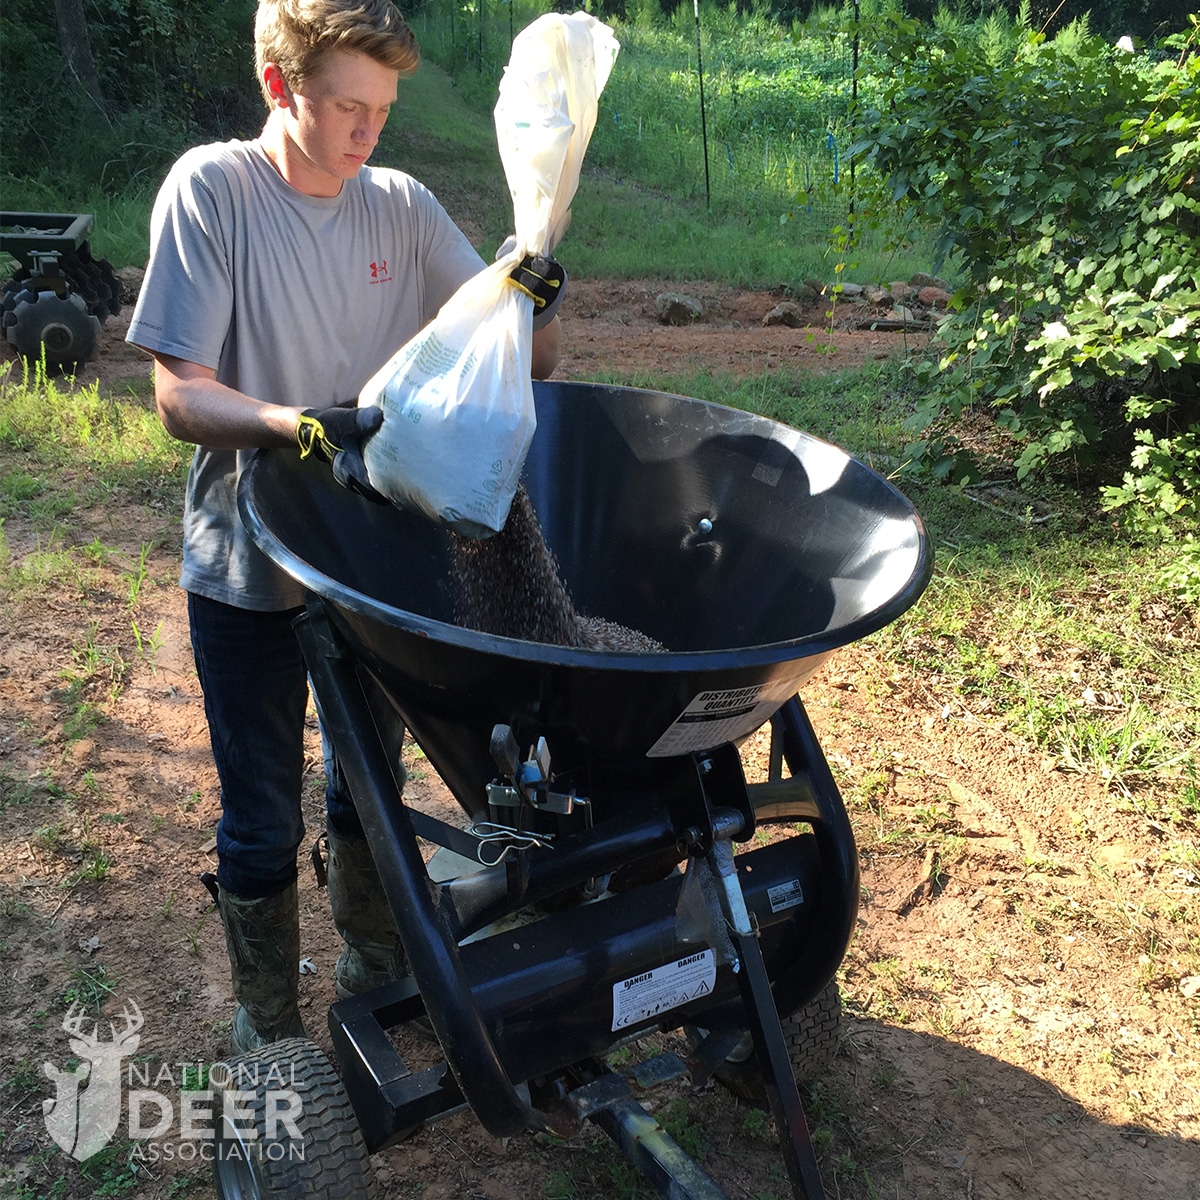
pixel 528 781
pixel 783 1097
pixel 505 752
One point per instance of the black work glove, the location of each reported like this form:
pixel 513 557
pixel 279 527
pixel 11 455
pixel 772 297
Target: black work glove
pixel 544 279
pixel 336 436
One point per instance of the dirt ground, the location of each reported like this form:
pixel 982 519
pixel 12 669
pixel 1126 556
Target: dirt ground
pixel 1022 1003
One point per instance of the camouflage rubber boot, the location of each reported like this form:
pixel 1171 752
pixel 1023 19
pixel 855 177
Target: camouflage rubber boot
pixel 372 955
pixel 263 940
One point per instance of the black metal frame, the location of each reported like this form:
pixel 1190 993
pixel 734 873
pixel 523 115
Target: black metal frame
pixel 42 234
pixel 524 1019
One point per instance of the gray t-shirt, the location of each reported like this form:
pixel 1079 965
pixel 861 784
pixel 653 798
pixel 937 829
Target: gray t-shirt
pixel 291 299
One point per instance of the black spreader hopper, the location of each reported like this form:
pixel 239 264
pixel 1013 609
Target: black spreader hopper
pixel 591 892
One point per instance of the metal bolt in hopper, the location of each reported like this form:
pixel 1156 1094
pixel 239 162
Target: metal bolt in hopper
pixel 752 552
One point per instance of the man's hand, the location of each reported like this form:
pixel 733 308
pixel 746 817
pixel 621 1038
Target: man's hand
pixel 544 279
pixel 336 436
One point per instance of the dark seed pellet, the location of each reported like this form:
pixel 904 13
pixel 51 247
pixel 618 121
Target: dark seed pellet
pixel 599 634
pixel 509 585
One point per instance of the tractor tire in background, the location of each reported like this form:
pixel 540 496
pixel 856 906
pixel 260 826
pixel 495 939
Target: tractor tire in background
pixel 304 1140
pixel 812 1035
pixel 92 278
pixel 70 301
pixel 60 324
pixel 95 280
pixel 14 290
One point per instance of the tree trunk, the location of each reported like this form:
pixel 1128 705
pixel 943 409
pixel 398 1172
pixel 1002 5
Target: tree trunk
pixel 77 48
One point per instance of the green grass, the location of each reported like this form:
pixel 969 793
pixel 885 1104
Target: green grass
pixel 121 232
pixel 90 988
pixel 65 448
pixel 112 1171
pixel 643 210
pixel 17 789
pixel 621 229
pixel 120 436
pixel 1060 635
pixel 50 565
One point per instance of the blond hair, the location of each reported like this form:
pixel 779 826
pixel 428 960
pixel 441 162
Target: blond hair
pixel 299 35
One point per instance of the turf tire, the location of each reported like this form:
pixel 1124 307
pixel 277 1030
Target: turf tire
pixel 327 1159
pixel 812 1035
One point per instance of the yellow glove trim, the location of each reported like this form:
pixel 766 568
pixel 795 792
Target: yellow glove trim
pixel 538 301
pixel 311 435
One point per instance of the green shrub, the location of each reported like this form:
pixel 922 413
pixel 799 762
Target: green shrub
pixel 1064 175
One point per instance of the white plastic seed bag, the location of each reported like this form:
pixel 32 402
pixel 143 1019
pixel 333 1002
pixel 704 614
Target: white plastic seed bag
pixel 457 399
pixel 545 116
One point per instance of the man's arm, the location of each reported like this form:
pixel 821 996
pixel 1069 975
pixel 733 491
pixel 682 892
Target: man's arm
pixel 545 350
pixel 194 407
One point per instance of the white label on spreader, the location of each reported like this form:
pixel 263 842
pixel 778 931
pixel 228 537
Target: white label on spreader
pixel 785 895
pixel 716 717
pixel 646 995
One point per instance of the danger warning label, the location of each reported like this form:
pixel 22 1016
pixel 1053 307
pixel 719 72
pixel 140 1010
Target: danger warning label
pixel 644 996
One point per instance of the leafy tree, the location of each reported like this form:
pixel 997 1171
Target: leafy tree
pixel 1063 176
pixel 109 91
pixel 77 47
pixel 1111 19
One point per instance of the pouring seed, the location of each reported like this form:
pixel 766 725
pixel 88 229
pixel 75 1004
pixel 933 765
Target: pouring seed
pixel 509 585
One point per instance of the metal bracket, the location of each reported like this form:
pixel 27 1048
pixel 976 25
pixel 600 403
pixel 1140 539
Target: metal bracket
pixel 528 781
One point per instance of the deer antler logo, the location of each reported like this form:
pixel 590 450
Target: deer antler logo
pixel 82 1119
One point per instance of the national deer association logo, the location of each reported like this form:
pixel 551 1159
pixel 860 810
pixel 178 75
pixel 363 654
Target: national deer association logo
pixel 83 1119
pixel 174 1109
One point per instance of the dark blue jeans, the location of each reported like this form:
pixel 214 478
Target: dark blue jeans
pixel 255 688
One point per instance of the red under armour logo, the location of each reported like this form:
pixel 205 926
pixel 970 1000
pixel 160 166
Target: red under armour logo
pixel 379 270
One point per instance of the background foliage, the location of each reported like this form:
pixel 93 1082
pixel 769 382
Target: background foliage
pixel 168 73
pixel 1063 176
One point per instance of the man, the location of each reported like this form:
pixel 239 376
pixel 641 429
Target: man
pixel 283 273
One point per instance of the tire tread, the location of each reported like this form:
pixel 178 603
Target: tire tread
pixel 335 1162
